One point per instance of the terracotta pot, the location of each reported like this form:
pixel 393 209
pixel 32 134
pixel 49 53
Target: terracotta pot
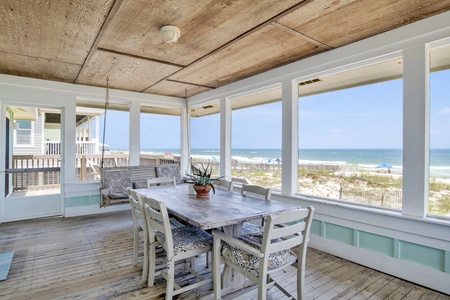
pixel 202 191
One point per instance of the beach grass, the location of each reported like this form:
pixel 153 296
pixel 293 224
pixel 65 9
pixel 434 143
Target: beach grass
pixel 439 197
pixel 363 187
pixel 370 187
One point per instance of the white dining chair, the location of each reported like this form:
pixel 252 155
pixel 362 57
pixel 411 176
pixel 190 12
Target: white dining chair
pixel 261 255
pixel 258 192
pixel 140 225
pixel 179 244
pixel 224 184
pixel 138 220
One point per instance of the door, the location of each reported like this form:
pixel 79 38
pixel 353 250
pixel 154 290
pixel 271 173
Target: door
pixel 7 156
pixel 32 163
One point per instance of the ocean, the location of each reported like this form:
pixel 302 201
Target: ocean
pixel 357 158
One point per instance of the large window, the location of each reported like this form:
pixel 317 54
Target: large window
pixel 89 139
pixel 350 138
pixel 439 196
pixel 23 133
pixel 205 141
pixel 256 144
pixel 116 141
pixel 160 138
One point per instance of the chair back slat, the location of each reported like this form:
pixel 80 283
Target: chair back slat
pixel 284 244
pixel 154 219
pixel 256 190
pixel 288 229
pixel 224 184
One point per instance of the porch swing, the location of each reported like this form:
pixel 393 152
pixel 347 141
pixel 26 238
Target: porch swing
pixel 114 181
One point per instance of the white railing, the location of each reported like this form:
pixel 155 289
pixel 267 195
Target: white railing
pixel 86 148
pixel 54 148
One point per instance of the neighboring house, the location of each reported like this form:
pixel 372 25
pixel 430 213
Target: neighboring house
pixel 28 136
pixel 38 131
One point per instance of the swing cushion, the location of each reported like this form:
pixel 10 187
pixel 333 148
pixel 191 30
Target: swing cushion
pixel 117 182
pixel 169 171
pixel 140 184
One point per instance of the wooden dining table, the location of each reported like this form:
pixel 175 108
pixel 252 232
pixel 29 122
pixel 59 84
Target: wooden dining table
pixel 224 209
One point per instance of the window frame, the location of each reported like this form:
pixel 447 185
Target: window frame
pixel 31 134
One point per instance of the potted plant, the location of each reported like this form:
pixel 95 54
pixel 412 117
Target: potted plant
pixel 202 181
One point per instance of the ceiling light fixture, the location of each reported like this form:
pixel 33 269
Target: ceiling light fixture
pixel 170 34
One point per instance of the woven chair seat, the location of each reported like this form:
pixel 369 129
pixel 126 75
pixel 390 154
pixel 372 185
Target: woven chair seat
pixel 246 260
pixel 187 238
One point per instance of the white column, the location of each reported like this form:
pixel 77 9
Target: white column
pixel 42 129
pixel 416 128
pixel 135 134
pixel 68 140
pixel 289 137
pixel 97 134
pixel 225 138
pixel 185 138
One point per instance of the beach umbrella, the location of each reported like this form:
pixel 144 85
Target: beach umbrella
pixel 274 161
pixel 384 166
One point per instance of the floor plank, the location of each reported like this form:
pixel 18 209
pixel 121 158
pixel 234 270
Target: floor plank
pixel 89 257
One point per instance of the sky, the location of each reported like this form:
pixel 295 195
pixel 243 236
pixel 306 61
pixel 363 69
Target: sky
pixel 367 117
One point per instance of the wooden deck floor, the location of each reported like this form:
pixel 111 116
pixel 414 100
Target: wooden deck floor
pixel 90 258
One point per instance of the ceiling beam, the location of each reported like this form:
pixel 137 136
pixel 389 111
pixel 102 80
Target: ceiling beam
pixel 301 35
pixel 139 57
pixel 112 12
pixel 190 83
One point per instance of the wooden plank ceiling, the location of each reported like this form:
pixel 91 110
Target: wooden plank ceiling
pixel 84 42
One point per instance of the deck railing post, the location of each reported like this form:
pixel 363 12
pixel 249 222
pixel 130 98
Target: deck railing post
pixel 83 168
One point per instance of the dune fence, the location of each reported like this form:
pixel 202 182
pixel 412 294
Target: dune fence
pixel 381 197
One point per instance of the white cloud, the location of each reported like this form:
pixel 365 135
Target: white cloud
pixel 444 111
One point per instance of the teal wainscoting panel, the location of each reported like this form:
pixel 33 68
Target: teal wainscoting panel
pixel 82 201
pixel 447 262
pixel 377 243
pixel 430 257
pixel 315 227
pixel 396 248
pixel 339 233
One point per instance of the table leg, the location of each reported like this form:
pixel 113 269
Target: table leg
pixel 233 230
